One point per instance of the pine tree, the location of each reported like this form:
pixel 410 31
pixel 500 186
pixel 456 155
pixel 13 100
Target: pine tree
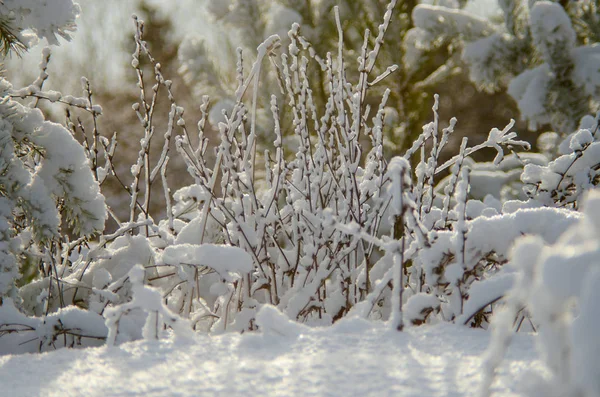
pixel 9 41
pixel 543 54
pixel 46 182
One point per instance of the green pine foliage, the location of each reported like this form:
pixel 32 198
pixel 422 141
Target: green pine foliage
pixel 545 55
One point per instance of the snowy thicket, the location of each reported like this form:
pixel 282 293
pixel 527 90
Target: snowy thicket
pixel 544 55
pixel 333 229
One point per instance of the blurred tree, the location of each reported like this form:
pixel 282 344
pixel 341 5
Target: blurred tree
pixel 543 53
pixel 246 23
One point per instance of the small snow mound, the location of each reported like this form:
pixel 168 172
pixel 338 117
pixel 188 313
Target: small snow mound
pixel 222 258
pixel 271 321
pixel 353 325
pixel 580 140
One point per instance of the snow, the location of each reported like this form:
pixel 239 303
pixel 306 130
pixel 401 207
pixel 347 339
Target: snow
pixel 224 259
pixel 586 71
pixel 483 292
pixel 483 8
pixel 585 355
pixel 352 358
pixel 431 17
pixel 484 57
pixel 551 28
pixel 45 19
pixel 556 284
pixel 280 18
pixel 529 89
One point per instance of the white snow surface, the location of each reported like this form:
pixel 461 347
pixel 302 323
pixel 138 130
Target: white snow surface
pixel 352 358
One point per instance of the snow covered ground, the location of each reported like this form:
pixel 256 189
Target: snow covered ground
pixel 352 358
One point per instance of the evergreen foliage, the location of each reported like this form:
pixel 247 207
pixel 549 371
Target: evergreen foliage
pixel 542 53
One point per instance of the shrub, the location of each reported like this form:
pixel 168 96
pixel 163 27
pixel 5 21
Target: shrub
pixel 557 285
pixel 333 229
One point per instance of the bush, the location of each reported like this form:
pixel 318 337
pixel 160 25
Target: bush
pixel 333 229
pixel 557 285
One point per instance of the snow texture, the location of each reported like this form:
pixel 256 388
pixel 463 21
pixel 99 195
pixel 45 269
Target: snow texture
pixel 222 258
pixel 450 20
pixel 353 358
pixel 43 19
pixel 551 28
